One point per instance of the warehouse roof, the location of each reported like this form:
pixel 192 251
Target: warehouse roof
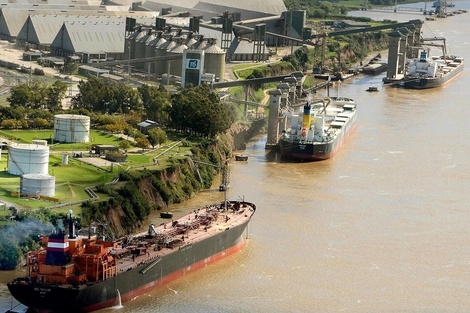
pixel 91 37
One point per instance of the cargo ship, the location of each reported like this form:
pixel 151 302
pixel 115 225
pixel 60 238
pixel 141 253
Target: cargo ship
pixel 425 72
pixel 87 273
pixel 319 132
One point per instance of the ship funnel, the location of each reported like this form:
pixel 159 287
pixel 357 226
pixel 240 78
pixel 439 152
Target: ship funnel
pixel 57 250
pixel 307 119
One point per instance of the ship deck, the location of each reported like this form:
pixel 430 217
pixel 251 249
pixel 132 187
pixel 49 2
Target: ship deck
pixel 197 232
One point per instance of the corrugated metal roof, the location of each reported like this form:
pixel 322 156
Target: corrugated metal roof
pixel 242 47
pixel 248 9
pixel 43 28
pixel 12 19
pixel 91 37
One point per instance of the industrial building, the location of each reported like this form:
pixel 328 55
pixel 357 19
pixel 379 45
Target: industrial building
pixel 159 32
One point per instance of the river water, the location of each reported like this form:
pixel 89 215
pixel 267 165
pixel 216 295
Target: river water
pixel 383 226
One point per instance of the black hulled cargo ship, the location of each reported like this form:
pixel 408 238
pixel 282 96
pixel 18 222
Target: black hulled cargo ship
pixel 319 132
pixel 81 274
pixel 424 73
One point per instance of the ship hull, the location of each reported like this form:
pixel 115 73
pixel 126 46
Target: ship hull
pixel 139 280
pixel 316 151
pixel 426 83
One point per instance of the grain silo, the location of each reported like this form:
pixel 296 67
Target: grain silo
pixel 200 44
pixel 189 41
pixel 130 42
pixel 37 185
pixel 28 159
pixel 140 45
pixel 214 60
pixel 160 65
pixel 176 65
pixel 151 47
pixel 71 128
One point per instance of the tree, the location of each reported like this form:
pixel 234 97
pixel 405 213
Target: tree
pixel 92 92
pixel 38 95
pixel 70 67
pixel 20 95
pixel 156 136
pixel 9 253
pixel 106 96
pixel 156 101
pixel 16 113
pixel 10 124
pixel 142 142
pixel 124 144
pixel 55 93
pixel 199 110
pixel 41 123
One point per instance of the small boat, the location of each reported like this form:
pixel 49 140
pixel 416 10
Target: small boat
pixel 241 157
pixel 372 88
pixel 430 18
pixel 166 215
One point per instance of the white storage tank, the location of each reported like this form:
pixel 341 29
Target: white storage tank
pixel 28 159
pixel 40 142
pixel 71 128
pixel 37 185
pixel 65 159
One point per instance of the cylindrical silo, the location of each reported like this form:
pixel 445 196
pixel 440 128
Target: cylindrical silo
pixel 37 185
pixel 200 44
pixel 130 43
pixel 176 65
pixel 71 128
pixel 214 60
pixel 140 44
pixel 189 41
pixel 161 65
pixel 150 47
pixel 28 159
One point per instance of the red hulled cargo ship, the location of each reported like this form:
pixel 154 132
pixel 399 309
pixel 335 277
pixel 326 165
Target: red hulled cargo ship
pixel 81 274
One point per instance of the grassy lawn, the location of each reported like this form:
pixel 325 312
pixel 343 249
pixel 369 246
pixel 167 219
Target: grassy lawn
pixel 27 136
pixel 72 179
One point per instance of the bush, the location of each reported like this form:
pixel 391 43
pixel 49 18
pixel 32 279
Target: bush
pixel 38 71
